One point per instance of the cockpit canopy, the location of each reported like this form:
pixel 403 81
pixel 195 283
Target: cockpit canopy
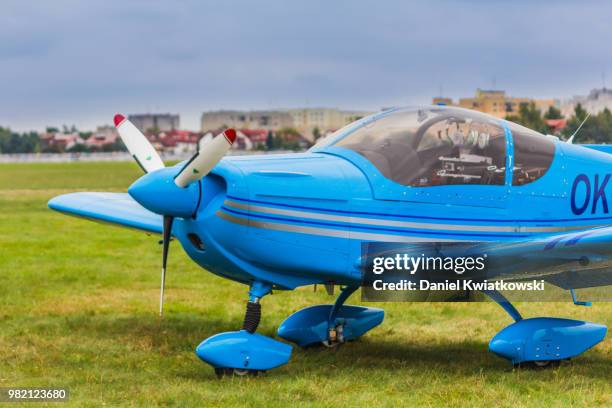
pixel 447 146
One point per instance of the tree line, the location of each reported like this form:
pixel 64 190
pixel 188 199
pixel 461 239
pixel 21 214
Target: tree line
pixel 30 142
pixel 12 142
pixel 597 128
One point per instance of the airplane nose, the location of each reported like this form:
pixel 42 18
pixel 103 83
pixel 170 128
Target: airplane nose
pixel 157 192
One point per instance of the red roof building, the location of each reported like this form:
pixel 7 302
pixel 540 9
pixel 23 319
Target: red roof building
pixel 102 136
pixel 556 125
pixel 255 135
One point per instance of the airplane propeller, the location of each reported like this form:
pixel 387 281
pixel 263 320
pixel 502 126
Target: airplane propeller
pixel 152 190
pixel 137 144
pixel 201 164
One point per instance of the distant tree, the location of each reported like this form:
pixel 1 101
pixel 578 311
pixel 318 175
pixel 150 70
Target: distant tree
pixel 11 142
pixel 277 142
pixel 316 133
pixel 78 148
pixel 52 129
pixel 289 132
pixel 109 147
pixel 85 135
pixel 580 113
pixel 604 119
pixel 118 146
pixel 270 141
pixel 291 145
pixel 553 113
pixel 530 116
pixel 5 135
pixel 596 129
pixel 575 120
pixel 31 142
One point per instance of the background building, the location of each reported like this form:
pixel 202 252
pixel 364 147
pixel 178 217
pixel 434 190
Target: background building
pixel 157 122
pixel 103 135
pixel 268 120
pixel 596 101
pixel 496 103
pixel 60 142
pixel 306 120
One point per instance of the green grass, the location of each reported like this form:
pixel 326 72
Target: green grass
pixel 78 309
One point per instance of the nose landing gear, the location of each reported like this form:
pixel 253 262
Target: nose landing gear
pixel 245 352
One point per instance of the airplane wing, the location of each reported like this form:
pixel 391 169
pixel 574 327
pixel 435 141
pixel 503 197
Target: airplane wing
pixel 114 208
pixel 570 260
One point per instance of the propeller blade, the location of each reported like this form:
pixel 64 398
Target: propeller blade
pixel 137 144
pixel 166 245
pixel 206 158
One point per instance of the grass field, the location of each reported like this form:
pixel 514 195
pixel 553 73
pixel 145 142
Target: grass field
pixel 78 309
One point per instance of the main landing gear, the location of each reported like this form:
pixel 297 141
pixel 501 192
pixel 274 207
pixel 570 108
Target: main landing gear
pixel 542 341
pixel 330 325
pixel 245 352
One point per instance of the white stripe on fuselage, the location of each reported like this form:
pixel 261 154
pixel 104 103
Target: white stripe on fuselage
pixel 395 223
pixel 335 233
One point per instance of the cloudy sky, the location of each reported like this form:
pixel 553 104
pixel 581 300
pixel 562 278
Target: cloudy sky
pixel 79 62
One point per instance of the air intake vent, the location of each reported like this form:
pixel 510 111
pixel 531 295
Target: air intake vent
pixel 196 241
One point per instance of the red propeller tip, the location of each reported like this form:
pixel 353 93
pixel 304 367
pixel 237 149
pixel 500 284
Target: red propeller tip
pixel 118 119
pixel 230 135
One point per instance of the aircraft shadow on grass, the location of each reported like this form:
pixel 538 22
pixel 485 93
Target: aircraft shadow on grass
pixel 176 334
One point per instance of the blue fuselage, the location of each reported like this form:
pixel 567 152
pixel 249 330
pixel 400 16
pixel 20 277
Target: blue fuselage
pixel 299 219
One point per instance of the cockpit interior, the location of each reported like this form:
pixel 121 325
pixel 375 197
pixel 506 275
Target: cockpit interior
pixel 449 146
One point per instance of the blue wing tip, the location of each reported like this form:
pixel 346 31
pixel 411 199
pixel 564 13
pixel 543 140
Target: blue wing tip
pixel 54 203
pixel 58 203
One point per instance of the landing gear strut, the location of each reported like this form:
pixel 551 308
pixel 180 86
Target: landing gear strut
pixel 252 316
pixel 335 326
pixel 245 352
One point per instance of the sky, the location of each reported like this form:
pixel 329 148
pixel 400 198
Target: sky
pixel 80 62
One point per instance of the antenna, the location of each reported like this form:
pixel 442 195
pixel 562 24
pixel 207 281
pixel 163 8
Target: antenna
pixel 571 138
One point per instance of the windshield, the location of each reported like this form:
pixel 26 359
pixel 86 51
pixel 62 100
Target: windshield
pixel 433 146
pixel 533 154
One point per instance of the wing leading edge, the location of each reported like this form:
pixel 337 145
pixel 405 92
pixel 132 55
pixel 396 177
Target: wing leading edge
pixel 114 208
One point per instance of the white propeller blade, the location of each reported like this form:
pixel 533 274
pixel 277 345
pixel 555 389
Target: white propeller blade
pixel 206 158
pixel 137 144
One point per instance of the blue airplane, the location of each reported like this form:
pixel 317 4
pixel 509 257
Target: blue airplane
pixel 403 175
